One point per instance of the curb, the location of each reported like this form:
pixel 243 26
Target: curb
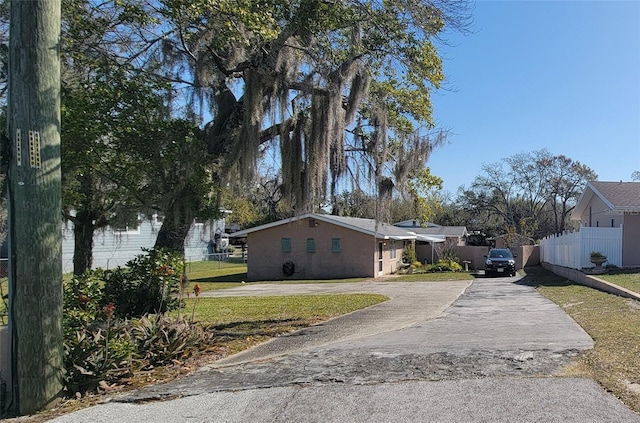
pixel 590 281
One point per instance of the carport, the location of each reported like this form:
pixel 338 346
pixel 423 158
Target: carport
pixel 431 239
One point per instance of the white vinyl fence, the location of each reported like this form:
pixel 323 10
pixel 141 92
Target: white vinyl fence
pixel 573 249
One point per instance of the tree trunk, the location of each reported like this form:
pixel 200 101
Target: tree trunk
pixel 175 227
pixel 35 234
pixel 83 229
pixel 89 217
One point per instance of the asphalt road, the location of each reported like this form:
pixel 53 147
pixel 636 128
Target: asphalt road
pixel 487 351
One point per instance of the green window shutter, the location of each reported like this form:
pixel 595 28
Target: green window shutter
pixel 311 245
pixel 335 245
pixel 286 245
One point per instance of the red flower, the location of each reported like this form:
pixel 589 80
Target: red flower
pixel 108 310
pixel 167 270
pixel 196 290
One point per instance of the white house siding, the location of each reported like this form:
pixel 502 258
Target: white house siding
pixel 112 248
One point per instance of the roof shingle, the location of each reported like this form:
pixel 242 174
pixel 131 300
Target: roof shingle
pixel 622 195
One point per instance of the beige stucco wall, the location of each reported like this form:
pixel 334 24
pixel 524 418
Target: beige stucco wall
pixel 357 258
pixel 528 255
pixel 474 254
pixel 601 215
pixel 631 240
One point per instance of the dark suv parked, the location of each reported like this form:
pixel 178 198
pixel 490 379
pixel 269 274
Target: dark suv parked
pixel 500 261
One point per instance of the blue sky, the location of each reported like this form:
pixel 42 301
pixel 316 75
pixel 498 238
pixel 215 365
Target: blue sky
pixel 560 75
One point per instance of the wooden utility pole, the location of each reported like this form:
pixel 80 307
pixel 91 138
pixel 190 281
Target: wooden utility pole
pixel 35 233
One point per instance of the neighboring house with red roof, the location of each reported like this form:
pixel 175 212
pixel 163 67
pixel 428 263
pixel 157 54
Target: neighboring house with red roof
pixel 612 204
pixel 322 246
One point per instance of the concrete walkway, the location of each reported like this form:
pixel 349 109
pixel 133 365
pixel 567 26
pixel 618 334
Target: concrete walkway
pixel 436 352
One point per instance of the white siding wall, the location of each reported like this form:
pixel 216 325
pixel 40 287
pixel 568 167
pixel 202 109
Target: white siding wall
pixel 115 248
pixel 573 249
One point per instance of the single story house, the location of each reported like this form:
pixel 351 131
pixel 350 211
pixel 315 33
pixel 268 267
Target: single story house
pixel 114 247
pixel 322 246
pixel 613 204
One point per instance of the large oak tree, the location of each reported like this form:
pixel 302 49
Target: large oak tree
pixel 335 92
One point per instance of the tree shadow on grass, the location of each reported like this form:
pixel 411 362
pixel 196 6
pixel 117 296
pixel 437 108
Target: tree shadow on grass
pixel 233 277
pixel 538 276
pixel 270 327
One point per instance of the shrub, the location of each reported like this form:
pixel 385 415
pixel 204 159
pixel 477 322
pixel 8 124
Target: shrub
pixel 161 339
pixel 149 284
pixel 444 266
pixel 409 254
pixel 96 352
pixel 83 299
pixel 108 333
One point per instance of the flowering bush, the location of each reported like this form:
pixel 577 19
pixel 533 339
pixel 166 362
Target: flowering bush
pixel 108 332
pixel 149 284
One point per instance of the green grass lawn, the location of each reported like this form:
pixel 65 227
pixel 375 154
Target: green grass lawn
pixel 210 275
pixel 238 323
pixel 612 321
pixel 231 310
pixel 630 281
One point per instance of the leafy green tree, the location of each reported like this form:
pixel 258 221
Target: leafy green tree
pixel 122 149
pixel 333 91
pixel 95 103
pixel 100 94
pixel 167 172
pixel 243 211
pixel 329 88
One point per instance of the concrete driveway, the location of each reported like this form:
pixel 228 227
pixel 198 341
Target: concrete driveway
pixel 436 352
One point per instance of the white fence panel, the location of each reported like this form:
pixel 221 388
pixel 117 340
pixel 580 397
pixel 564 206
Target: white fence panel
pixel 573 249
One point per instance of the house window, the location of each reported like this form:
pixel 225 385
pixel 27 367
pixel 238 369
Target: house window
pixel 312 223
pixel 597 223
pixel 311 245
pixel 613 223
pixel 335 245
pixel 286 245
pixel 392 249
